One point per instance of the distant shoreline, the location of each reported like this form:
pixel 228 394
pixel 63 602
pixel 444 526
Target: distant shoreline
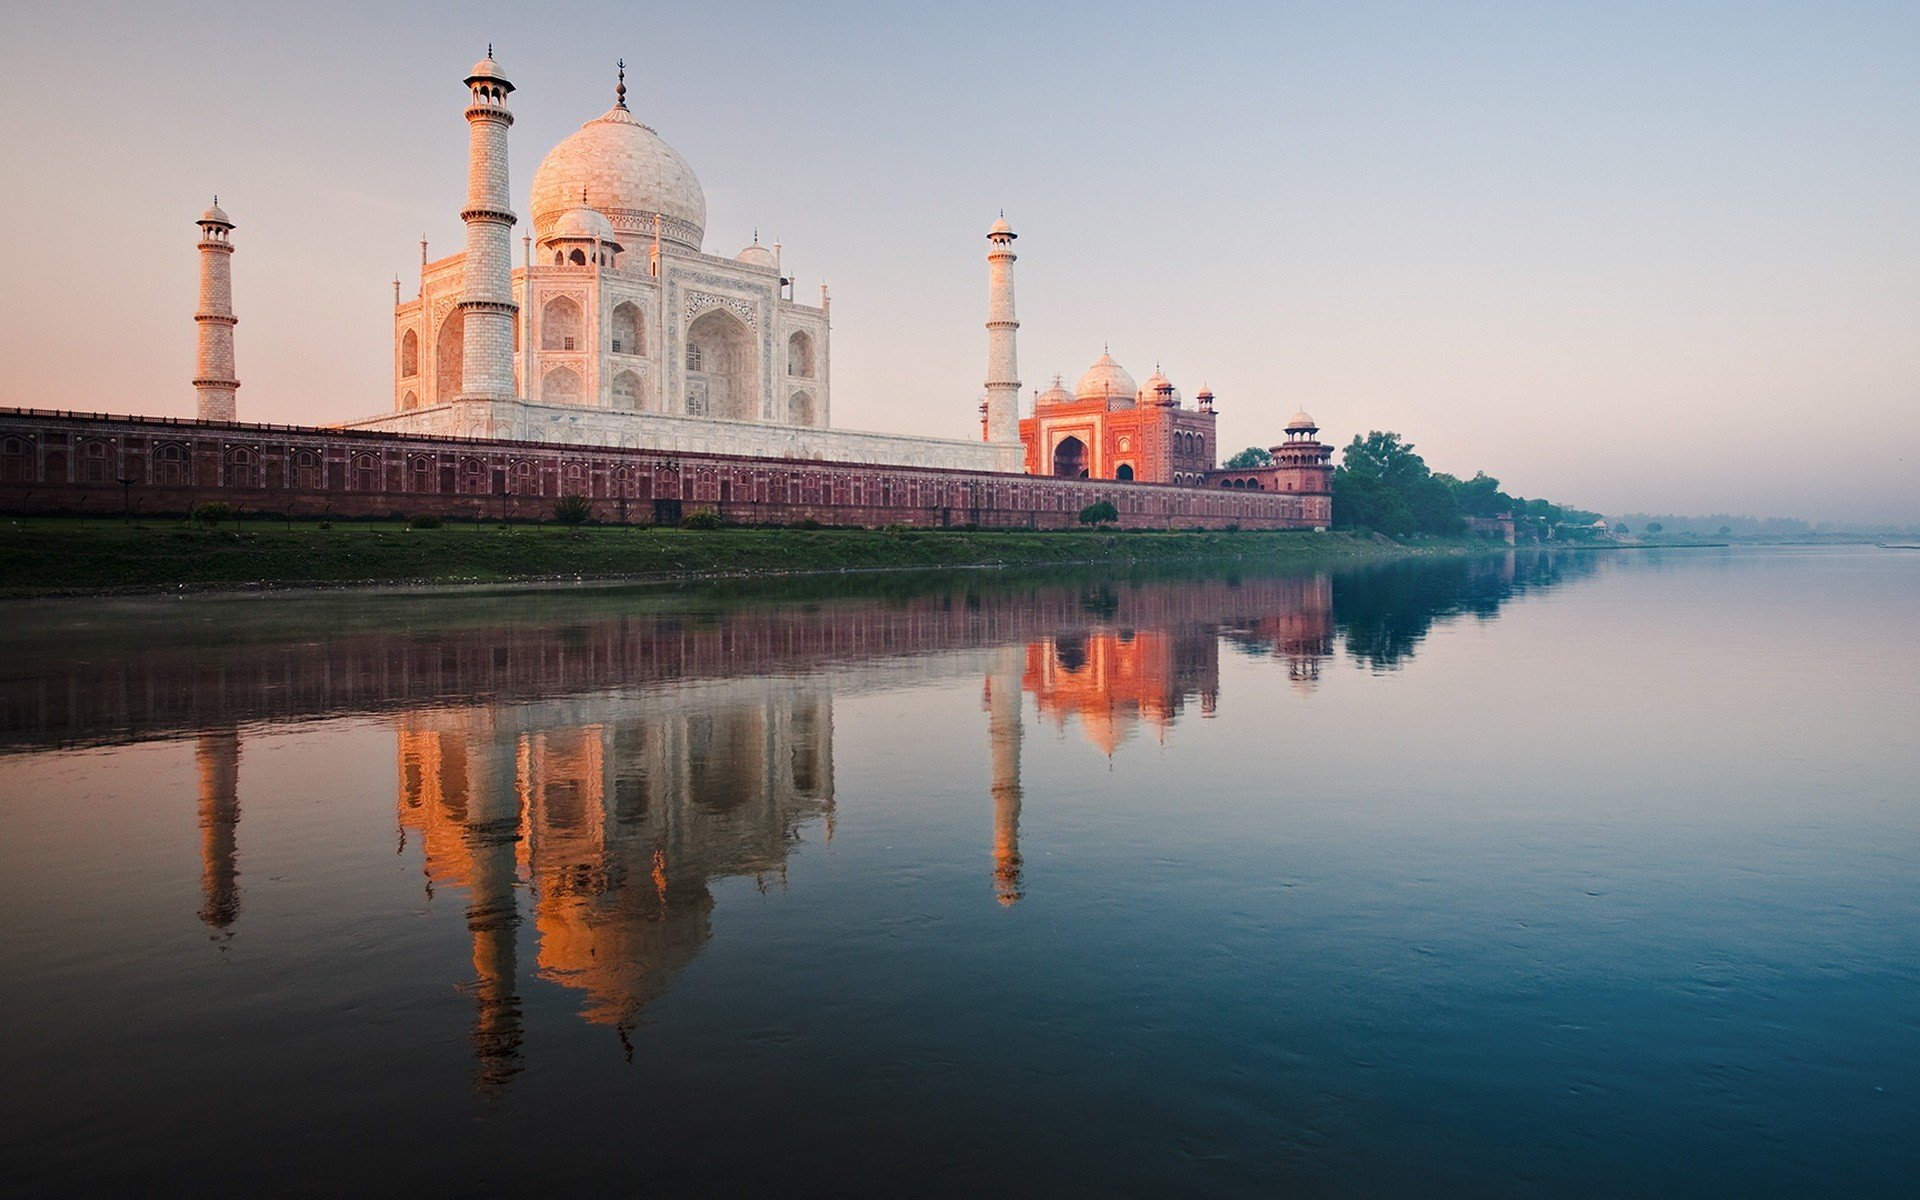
pixel 49 557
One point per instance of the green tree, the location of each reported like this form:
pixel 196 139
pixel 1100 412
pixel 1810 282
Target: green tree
pixel 1654 527
pixel 1386 458
pixel 212 512
pixel 1252 456
pixel 1099 512
pixel 571 510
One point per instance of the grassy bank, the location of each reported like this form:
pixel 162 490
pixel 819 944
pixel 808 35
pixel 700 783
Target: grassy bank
pixel 53 555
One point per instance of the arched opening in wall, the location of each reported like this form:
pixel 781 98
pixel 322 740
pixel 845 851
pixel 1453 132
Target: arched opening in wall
pixel 366 473
pixel 93 462
pixel 560 324
pixel 170 464
pixel 1125 473
pixel 726 377
pixel 409 401
pixel 578 258
pixel 626 391
pixel 16 460
pixel 421 472
pixel 409 354
pixel 447 350
pixel 800 408
pixel 800 356
pixel 1070 459
pixel 560 386
pixel 629 329
pixel 473 477
pixel 306 470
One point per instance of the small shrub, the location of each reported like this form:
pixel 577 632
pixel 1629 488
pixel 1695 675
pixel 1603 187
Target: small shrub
pixel 423 521
pixel 1099 513
pixel 893 527
pixel 809 523
pixel 701 518
pixel 212 512
pixel 326 524
pixel 571 510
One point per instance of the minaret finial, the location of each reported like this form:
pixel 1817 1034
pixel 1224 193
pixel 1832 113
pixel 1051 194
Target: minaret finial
pixel 620 90
pixel 489 49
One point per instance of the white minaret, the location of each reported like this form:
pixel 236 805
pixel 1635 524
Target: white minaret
pixel 1003 375
pixel 486 293
pixel 213 380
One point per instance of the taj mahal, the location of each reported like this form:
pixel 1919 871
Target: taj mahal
pixel 622 362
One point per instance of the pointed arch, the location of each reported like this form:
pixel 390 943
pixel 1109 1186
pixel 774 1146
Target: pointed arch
pixel 447 351
pixel 800 355
pixel 560 324
pixel 629 329
pixel 800 409
pixel 626 392
pixel 561 386
pixel 409 354
pixel 727 369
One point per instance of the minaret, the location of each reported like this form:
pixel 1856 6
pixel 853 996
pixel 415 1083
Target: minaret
pixel 486 294
pixel 1003 738
pixel 1003 375
pixel 218 756
pixel 213 380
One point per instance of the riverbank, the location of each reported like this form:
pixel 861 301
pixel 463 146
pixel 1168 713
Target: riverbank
pixel 51 556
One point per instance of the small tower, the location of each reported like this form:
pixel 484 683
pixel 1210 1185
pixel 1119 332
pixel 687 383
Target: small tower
pixel 213 380
pixel 1003 374
pixel 486 295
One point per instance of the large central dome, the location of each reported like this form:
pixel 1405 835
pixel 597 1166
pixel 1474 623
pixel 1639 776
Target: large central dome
pixel 627 173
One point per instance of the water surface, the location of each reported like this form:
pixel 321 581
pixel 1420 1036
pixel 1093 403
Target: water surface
pixel 1576 875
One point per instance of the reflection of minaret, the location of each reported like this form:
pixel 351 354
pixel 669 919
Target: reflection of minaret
pixel 492 837
pixel 1003 735
pixel 218 756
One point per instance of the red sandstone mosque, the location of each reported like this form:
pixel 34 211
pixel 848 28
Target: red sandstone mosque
pixel 623 362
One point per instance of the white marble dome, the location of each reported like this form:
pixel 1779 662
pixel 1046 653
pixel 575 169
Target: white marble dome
pixel 215 215
pixel 631 175
pixel 756 255
pixel 582 224
pixel 1106 379
pixel 1301 421
pixel 1057 394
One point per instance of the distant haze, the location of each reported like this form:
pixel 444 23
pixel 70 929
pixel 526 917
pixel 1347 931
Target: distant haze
pixel 1628 257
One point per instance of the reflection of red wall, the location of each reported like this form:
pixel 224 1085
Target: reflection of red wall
pixel 69 462
pixel 1110 680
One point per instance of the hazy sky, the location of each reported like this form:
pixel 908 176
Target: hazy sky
pixel 1658 256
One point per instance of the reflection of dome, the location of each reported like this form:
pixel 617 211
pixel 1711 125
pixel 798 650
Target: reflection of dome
pixel 582 224
pixel 631 175
pixel 1301 421
pixel 1106 379
pixel 1057 394
pixel 757 255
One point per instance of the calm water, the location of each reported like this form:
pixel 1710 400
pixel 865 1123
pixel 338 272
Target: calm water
pixel 1591 875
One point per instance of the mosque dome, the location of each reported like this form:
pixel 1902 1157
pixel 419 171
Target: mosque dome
pixel 1301 421
pixel 1106 379
pixel 755 255
pixel 631 175
pixel 581 223
pixel 1055 394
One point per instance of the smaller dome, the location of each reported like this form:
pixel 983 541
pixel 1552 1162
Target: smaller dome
pixel 215 215
pixel 1001 226
pixel 582 224
pixel 756 255
pixel 486 68
pixel 1302 421
pixel 1106 380
pixel 1056 394
pixel 1158 390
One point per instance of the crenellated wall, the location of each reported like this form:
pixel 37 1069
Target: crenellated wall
pixel 65 462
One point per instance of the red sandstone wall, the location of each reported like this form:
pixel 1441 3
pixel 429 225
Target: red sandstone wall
pixel 53 462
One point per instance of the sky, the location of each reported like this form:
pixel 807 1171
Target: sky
pixel 1635 256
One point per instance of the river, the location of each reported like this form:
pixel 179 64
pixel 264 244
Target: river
pixel 1584 874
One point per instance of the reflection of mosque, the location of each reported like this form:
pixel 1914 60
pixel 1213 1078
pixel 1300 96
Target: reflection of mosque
pixel 617 814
